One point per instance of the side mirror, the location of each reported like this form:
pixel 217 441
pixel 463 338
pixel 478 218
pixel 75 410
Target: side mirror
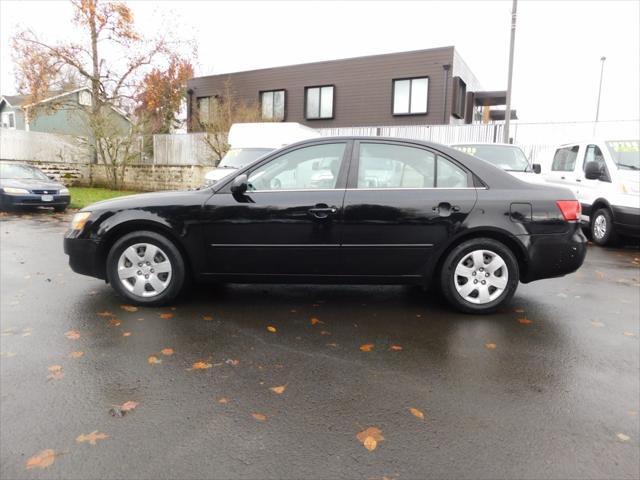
pixel 537 168
pixel 592 171
pixel 239 185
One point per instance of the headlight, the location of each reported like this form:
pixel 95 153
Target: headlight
pixel 15 191
pixel 63 191
pixel 79 219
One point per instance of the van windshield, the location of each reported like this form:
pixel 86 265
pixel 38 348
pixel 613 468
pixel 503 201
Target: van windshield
pixel 626 153
pixel 239 157
pixel 506 157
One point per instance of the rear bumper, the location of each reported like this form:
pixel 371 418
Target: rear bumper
pixel 554 255
pixel 83 257
pixel 33 200
pixel 627 220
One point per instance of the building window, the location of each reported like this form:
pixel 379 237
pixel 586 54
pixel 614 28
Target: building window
pixel 319 102
pixel 459 98
pixel 204 109
pixel 9 120
pixel 410 96
pixel 272 103
pixel 84 98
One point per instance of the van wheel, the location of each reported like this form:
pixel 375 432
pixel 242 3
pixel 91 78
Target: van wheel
pixel 602 229
pixel 479 275
pixel 146 268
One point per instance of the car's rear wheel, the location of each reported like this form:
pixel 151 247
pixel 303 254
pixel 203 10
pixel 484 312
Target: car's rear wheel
pixel 479 275
pixel 602 229
pixel 146 268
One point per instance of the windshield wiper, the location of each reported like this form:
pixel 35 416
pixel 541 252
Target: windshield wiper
pixel 630 167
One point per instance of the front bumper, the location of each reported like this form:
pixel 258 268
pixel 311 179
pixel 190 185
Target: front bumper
pixel 34 200
pixel 554 255
pixel 627 220
pixel 83 256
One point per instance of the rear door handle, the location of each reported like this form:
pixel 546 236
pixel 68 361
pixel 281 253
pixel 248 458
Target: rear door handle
pixel 322 212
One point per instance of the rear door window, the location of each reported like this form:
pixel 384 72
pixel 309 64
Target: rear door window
pixel 564 159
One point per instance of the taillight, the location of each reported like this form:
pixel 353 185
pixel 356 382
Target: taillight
pixel 570 209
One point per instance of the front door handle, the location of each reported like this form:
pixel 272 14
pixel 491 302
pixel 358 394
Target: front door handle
pixel 322 212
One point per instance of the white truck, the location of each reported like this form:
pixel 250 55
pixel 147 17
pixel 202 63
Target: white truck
pixel 250 141
pixel 605 177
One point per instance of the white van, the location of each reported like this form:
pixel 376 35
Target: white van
pixel 605 176
pixel 250 141
pixel 506 156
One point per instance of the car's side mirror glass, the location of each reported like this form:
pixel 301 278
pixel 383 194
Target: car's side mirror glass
pixel 537 168
pixel 592 171
pixel 239 185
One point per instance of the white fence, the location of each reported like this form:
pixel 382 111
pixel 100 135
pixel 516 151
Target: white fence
pixel 42 147
pixel 181 149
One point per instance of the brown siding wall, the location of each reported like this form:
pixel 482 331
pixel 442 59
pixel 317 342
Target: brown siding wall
pixel 363 87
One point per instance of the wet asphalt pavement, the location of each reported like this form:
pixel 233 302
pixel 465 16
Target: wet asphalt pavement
pixel 555 397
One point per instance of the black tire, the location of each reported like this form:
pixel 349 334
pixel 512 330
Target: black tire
pixel 448 277
pixel 603 217
pixel 176 282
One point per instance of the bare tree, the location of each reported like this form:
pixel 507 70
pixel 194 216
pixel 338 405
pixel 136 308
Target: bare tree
pixel 114 82
pixel 223 111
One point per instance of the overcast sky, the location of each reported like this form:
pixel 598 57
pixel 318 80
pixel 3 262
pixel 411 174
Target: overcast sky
pixel 557 57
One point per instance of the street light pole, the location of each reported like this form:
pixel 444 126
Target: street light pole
pixel 507 112
pixel 602 59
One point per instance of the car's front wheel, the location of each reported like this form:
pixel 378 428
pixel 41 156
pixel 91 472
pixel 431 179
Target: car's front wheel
pixel 479 275
pixel 602 229
pixel 146 268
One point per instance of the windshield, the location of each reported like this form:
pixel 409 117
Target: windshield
pixel 13 170
pixel 506 157
pixel 625 153
pixel 239 157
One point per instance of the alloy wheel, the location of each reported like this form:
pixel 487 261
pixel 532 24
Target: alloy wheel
pixel 144 269
pixel 481 276
pixel 600 227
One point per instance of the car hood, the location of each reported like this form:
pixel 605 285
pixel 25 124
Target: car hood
pixel 30 184
pixel 219 173
pixel 529 177
pixel 145 200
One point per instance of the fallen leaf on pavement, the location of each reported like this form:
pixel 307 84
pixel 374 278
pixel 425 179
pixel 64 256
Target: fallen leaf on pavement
pixel 370 438
pixel 167 352
pixel 395 348
pixel 333 345
pixel 92 437
pixel 279 390
pixel 114 322
pixel 524 321
pixel 233 362
pixel 200 366
pixel 208 318
pixel 153 360
pixel 223 401
pixel 623 437
pixel 126 334
pixel 129 308
pixel 8 354
pixel 128 406
pixel 42 460
pixel 258 416
pixel 315 321
pixel 72 335
pixel 76 354
pixel 629 334
pixel 55 372
pixel 490 346
pixel 272 329
pixel 325 332
pixel 417 413
pixel 596 323
pixel 106 313
pixel 367 347
pixel 166 316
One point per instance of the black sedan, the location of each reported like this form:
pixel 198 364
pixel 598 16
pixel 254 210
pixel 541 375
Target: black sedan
pixel 22 185
pixel 339 210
